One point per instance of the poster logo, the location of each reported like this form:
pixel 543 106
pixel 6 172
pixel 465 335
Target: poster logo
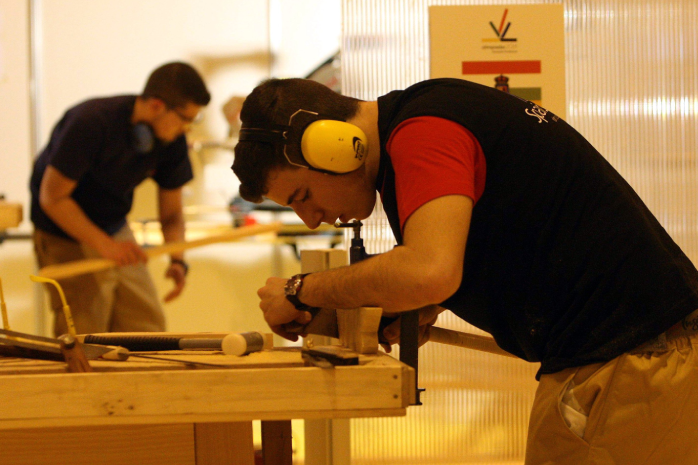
pixel 501 82
pixel 502 31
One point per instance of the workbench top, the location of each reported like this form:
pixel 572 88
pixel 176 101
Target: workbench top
pixel 268 385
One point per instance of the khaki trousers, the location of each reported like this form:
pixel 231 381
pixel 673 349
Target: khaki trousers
pixel 118 299
pixel 640 408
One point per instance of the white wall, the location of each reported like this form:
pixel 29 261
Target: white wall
pixel 89 48
pixel 15 128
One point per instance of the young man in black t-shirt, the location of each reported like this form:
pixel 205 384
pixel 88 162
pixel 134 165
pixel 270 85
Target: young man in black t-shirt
pixel 508 217
pixel 82 189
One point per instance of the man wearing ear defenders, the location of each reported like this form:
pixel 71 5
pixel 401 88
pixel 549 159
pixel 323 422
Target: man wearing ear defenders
pixel 508 217
pixel 82 189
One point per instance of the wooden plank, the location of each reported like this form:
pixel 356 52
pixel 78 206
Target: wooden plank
pixel 224 443
pixel 313 260
pixel 10 214
pixel 238 394
pixel 277 447
pixel 282 357
pixel 358 328
pixel 201 418
pixel 325 321
pixel 104 445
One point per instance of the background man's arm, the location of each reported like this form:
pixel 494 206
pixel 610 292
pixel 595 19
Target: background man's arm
pixel 55 200
pixel 173 228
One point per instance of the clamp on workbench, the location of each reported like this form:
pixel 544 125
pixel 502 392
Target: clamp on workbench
pixel 409 321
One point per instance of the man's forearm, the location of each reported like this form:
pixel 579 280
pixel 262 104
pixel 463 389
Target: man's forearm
pixel 67 214
pixel 171 217
pixel 173 230
pixel 396 281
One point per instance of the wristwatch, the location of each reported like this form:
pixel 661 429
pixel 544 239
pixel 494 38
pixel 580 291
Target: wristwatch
pixel 179 261
pixel 292 288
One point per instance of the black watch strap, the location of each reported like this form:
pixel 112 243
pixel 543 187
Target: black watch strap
pixel 293 287
pixel 297 303
pixel 179 261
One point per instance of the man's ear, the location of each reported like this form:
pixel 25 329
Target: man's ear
pixel 156 105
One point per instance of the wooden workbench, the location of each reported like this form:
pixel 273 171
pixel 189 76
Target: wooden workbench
pixel 152 412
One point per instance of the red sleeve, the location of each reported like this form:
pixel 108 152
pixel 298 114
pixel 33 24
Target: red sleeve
pixel 433 157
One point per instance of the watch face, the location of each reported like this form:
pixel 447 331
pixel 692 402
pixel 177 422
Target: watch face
pixel 292 285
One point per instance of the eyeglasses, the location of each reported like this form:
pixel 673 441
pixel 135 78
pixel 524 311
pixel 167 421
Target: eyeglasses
pixel 186 119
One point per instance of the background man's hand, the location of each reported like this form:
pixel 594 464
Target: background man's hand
pixel 123 252
pixel 278 310
pixel 177 273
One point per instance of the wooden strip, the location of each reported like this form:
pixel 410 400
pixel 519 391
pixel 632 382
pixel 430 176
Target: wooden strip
pixel 92 265
pixel 466 340
pixel 200 418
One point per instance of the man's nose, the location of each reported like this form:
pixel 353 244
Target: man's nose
pixel 311 217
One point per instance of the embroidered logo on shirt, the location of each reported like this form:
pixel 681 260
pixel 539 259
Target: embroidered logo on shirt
pixel 538 112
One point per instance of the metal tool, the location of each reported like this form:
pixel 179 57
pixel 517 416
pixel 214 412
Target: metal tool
pixel 67 347
pixel 73 354
pixel 329 356
pixel 22 345
pixel 409 321
pixel 230 343
pixel 66 308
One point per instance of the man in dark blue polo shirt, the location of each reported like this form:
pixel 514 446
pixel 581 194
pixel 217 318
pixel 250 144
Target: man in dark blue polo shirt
pixel 82 189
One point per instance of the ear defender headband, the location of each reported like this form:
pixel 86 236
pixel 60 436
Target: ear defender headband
pixel 314 141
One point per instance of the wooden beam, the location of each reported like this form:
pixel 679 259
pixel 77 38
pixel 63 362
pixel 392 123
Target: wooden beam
pixel 10 214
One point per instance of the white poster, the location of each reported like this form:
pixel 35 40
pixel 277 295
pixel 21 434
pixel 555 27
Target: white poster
pixel 519 49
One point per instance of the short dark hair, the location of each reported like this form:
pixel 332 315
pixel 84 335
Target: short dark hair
pixel 176 84
pixel 272 103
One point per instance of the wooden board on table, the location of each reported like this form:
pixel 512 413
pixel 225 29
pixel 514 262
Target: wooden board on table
pixel 281 389
pixel 278 358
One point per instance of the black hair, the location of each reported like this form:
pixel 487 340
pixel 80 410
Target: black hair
pixel 271 104
pixel 176 84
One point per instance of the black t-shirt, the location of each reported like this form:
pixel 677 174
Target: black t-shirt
pixel 564 263
pixel 94 145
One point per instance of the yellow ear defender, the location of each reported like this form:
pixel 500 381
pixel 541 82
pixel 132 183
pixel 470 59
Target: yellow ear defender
pixel 334 146
pixel 314 141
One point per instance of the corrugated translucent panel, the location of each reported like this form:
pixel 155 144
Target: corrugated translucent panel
pixel 632 85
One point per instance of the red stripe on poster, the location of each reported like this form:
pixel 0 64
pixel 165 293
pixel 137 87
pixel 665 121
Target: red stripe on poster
pixel 500 67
